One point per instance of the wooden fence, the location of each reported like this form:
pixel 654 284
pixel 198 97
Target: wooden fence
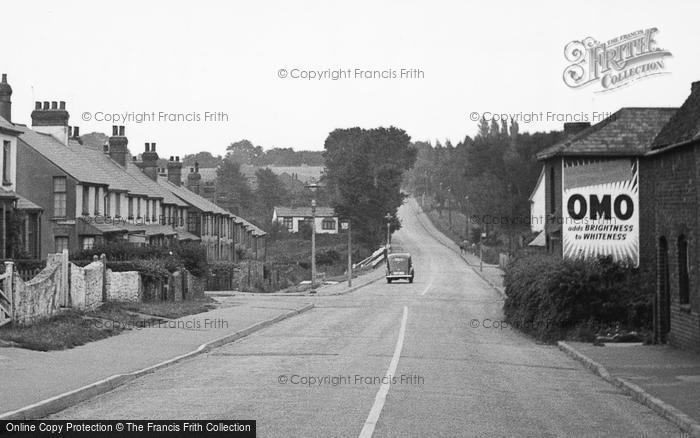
pixel 6 302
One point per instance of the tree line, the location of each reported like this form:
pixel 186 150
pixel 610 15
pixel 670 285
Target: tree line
pixel 491 175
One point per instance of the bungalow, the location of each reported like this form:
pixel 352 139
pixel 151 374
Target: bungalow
pixel 292 218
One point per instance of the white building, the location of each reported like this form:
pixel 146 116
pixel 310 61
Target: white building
pixel 293 217
pixel 537 205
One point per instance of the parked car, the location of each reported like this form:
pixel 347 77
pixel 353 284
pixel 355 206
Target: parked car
pixel 399 266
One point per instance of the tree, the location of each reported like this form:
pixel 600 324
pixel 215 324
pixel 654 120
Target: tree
pixel 204 158
pixel 364 171
pixel 233 192
pixel 243 152
pixel 269 193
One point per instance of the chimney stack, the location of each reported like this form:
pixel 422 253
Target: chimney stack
pixel 52 119
pixel 118 143
pixel 194 179
pixel 149 161
pixel 694 87
pixel 5 99
pixel 573 128
pixel 175 171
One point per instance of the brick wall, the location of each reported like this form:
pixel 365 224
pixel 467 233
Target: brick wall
pixel 670 208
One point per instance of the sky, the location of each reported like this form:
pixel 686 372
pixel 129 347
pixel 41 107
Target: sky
pixel 185 59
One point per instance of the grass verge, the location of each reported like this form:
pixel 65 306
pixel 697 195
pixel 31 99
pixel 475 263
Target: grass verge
pixel 72 328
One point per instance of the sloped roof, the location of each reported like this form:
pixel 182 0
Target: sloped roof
pixel 186 235
pixel 628 132
pixel 25 204
pixel 156 189
pixel 304 212
pixel 685 123
pixel 192 198
pixel 8 127
pixel 84 163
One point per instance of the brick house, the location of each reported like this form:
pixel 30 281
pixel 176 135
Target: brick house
pixel 671 224
pixel 604 157
pixel 20 218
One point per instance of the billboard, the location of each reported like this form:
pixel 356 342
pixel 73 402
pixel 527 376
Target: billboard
pixel 601 208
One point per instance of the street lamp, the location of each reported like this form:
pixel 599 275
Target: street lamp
pixel 388 231
pixel 347 226
pixel 313 186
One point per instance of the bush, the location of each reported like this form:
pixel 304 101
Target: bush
pixel 193 257
pixel 549 297
pixel 328 257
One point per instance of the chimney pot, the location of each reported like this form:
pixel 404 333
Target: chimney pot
pixel 37 105
pixel 147 147
pixel 47 105
pixel 153 147
pixel 115 130
pixel 62 105
pixel 4 78
pixel 54 105
pixel 172 158
pixel 70 132
pixel 121 131
pixel 76 131
pixel 177 158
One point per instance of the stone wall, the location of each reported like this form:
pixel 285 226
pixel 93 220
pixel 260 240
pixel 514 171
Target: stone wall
pixel 37 298
pixel 194 285
pixel 175 287
pixel 124 286
pixel 251 273
pixel 86 286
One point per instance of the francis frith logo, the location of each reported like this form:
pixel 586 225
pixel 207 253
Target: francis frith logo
pixel 616 62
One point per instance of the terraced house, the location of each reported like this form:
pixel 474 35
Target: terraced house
pixel 83 194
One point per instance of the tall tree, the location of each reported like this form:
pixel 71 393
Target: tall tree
pixel 269 193
pixel 233 192
pixel 364 170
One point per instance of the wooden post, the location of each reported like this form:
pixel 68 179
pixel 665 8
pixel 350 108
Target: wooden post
pixel 64 299
pixel 349 253
pixel 8 287
pixel 103 259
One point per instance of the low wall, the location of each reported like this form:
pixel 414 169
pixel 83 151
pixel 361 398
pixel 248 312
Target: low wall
pixel 194 285
pixel 124 286
pixel 86 286
pixel 39 297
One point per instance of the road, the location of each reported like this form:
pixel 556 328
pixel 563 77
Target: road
pixel 454 376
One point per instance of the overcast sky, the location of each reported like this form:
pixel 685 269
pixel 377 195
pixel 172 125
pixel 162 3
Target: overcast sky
pixel 194 57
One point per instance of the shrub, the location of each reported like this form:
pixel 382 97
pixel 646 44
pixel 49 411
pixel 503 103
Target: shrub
pixel 327 257
pixel 549 297
pixel 193 257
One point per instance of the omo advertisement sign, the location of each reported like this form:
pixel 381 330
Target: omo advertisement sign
pixel 601 208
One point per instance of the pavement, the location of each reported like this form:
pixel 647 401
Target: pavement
pixel 660 376
pixel 389 360
pixel 30 377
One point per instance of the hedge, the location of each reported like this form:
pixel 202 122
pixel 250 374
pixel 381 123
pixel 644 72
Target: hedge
pixel 549 297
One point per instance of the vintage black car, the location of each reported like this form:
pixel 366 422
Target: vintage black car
pixel 399 267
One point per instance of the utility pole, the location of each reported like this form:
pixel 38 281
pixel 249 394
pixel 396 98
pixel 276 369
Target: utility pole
pixel 388 231
pixel 349 253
